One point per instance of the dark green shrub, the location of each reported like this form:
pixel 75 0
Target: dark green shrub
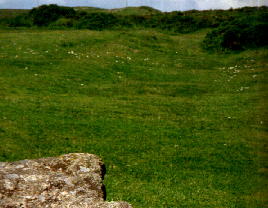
pixel 80 14
pixel 62 23
pixel 134 21
pixel 239 34
pixel 256 35
pixel 20 21
pixel 187 24
pixel 175 22
pixel 45 14
pixel 97 21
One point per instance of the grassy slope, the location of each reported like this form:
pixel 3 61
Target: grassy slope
pixel 143 10
pixel 176 127
pixel 12 12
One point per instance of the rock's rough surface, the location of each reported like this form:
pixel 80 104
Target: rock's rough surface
pixel 69 181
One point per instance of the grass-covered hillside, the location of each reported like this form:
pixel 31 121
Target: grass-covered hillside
pixel 139 11
pixel 176 126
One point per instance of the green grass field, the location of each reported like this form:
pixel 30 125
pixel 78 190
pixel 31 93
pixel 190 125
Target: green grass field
pixel 175 125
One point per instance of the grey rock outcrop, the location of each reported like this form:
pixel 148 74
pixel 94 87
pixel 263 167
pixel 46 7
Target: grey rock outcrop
pixel 68 181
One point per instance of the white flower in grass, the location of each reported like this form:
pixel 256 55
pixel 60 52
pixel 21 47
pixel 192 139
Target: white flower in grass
pixel 254 76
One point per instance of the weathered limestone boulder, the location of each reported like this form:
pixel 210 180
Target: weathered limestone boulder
pixel 69 181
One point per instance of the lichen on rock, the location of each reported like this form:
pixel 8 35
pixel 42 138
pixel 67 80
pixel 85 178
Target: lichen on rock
pixel 72 181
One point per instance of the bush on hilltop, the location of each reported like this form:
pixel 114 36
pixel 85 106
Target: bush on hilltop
pixel 97 21
pixel 239 34
pixel 46 14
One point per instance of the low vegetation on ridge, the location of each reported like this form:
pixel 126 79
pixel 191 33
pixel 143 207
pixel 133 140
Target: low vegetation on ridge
pixel 237 29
